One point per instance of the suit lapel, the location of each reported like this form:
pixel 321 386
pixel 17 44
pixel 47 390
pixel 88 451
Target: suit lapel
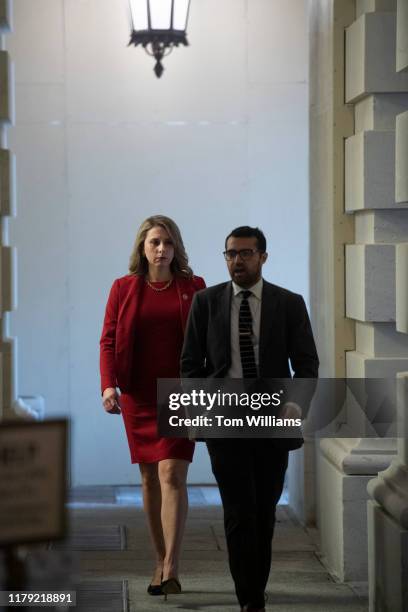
pixel 269 320
pixel 224 317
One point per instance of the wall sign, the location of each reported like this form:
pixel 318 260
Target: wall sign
pixel 32 481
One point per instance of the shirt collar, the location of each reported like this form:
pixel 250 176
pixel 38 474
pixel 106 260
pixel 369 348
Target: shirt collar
pixel 255 289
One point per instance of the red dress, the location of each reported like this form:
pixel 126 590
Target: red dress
pixel 141 341
pixel 158 344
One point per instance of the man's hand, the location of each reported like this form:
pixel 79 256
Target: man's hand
pixel 290 410
pixel 110 400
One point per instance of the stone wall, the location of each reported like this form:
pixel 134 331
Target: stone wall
pixel 359 213
pixel 331 121
pixel 376 168
pixel 388 506
pixel 7 209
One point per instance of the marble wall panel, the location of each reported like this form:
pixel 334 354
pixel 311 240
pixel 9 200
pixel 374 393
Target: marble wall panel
pixel 370 57
pixel 401 273
pixel 402 35
pixel 401 158
pixel 370 282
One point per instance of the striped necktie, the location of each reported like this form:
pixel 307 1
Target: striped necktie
pixel 246 347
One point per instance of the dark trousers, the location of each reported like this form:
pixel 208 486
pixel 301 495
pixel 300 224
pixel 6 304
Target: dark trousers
pixel 250 475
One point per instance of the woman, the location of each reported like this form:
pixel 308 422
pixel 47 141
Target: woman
pixel 141 341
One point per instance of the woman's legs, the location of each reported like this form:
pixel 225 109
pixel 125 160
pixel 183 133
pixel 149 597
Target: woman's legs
pixel 173 476
pixel 152 503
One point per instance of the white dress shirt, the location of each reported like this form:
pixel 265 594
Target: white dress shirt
pixel 289 409
pixel 254 301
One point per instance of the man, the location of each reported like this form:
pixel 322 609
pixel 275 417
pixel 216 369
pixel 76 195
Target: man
pixel 249 328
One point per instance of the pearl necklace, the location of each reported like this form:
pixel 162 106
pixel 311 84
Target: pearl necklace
pixel 166 286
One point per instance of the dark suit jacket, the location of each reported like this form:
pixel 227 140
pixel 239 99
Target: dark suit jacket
pixel 285 336
pixel 119 333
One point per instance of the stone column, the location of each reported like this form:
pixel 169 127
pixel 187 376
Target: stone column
pixel 364 260
pixel 388 522
pixel 8 370
pixel 345 468
pixel 330 122
pixel 388 506
pixel 11 406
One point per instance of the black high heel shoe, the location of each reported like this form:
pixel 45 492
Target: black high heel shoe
pixel 171 585
pixel 155 589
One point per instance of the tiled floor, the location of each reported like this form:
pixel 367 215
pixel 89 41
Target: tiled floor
pixel 86 497
pixel 83 497
pixel 109 539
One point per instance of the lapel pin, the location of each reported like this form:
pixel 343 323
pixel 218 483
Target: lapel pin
pixel 185 296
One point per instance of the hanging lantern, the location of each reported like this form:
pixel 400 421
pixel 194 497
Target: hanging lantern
pixel 159 25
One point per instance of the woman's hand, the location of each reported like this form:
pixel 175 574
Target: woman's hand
pixel 110 400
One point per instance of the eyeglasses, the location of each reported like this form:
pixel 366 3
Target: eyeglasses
pixel 244 254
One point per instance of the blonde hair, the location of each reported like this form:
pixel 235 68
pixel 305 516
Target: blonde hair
pixel 138 263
